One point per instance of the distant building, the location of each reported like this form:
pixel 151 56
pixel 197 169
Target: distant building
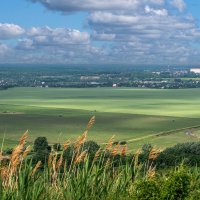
pixel 195 70
pixel 90 77
pixel 114 85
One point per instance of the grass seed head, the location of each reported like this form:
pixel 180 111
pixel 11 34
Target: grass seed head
pixel 90 123
pixel 110 143
pixel 37 166
pixel 151 173
pixel 124 150
pixel 4 172
pixel 80 157
pixel 66 145
pixel 154 153
pixel 97 154
pixel 23 138
pixel 115 150
pixel 59 163
pixel 1 156
pixel 80 141
pixel 27 150
pixel 50 158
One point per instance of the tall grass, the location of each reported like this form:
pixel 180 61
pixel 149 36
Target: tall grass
pixel 99 177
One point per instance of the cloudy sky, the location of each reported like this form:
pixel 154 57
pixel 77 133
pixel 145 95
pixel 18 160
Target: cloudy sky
pixel 100 31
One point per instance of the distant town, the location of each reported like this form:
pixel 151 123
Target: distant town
pixel 82 77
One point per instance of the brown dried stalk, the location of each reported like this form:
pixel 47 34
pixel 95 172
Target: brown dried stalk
pixel 110 143
pixel 124 150
pixel 154 153
pixel 90 123
pixel 36 168
pixel 66 145
pixel 1 156
pixel 23 138
pixel 151 173
pixel 115 150
pixel 59 163
pixel 80 141
pixel 80 157
pixel 97 154
pixel 50 160
pixel 25 153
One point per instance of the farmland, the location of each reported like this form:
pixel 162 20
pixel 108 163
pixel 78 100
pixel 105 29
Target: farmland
pixel 133 115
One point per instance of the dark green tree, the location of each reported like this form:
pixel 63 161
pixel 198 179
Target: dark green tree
pixel 40 144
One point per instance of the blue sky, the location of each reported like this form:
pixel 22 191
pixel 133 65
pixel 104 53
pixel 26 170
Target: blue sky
pixel 91 31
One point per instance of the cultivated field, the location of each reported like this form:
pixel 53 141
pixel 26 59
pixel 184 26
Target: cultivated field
pixel 133 115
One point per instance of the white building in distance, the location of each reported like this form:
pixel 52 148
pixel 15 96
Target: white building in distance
pixel 195 70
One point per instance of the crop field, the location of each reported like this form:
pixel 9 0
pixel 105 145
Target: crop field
pixel 137 116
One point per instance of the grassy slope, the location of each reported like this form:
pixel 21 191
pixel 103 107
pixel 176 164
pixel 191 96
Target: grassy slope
pixel 127 113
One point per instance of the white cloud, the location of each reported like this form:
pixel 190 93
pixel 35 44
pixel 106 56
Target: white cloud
pixel 162 12
pixel 179 4
pixel 3 49
pixel 51 45
pixel 103 36
pixel 9 31
pixel 122 31
pixel 57 36
pixel 95 5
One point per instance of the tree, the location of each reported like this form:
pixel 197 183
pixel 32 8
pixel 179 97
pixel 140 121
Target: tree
pixel 41 155
pixel 91 147
pixel 41 149
pixel 40 144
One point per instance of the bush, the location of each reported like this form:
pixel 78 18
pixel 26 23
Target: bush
pixel 40 144
pixel 8 151
pixel 57 147
pixel 147 190
pixel 123 143
pixel 177 185
pixel 41 155
pixel 91 147
pixel 115 143
pixel 146 149
pixel 188 153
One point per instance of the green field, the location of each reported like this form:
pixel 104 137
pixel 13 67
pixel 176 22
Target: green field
pixel 130 114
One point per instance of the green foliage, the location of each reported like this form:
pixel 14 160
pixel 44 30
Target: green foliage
pixel 91 146
pixel 177 185
pixel 41 150
pixel 57 147
pixel 146 149
pixel 68 153
pixel 147 190
pixel 40 144
pixel 41 155
pixel 102 181
pixel 8 151
pixel 173 156
pixel 123 142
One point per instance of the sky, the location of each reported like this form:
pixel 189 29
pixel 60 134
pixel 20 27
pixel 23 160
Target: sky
pixel 150 32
